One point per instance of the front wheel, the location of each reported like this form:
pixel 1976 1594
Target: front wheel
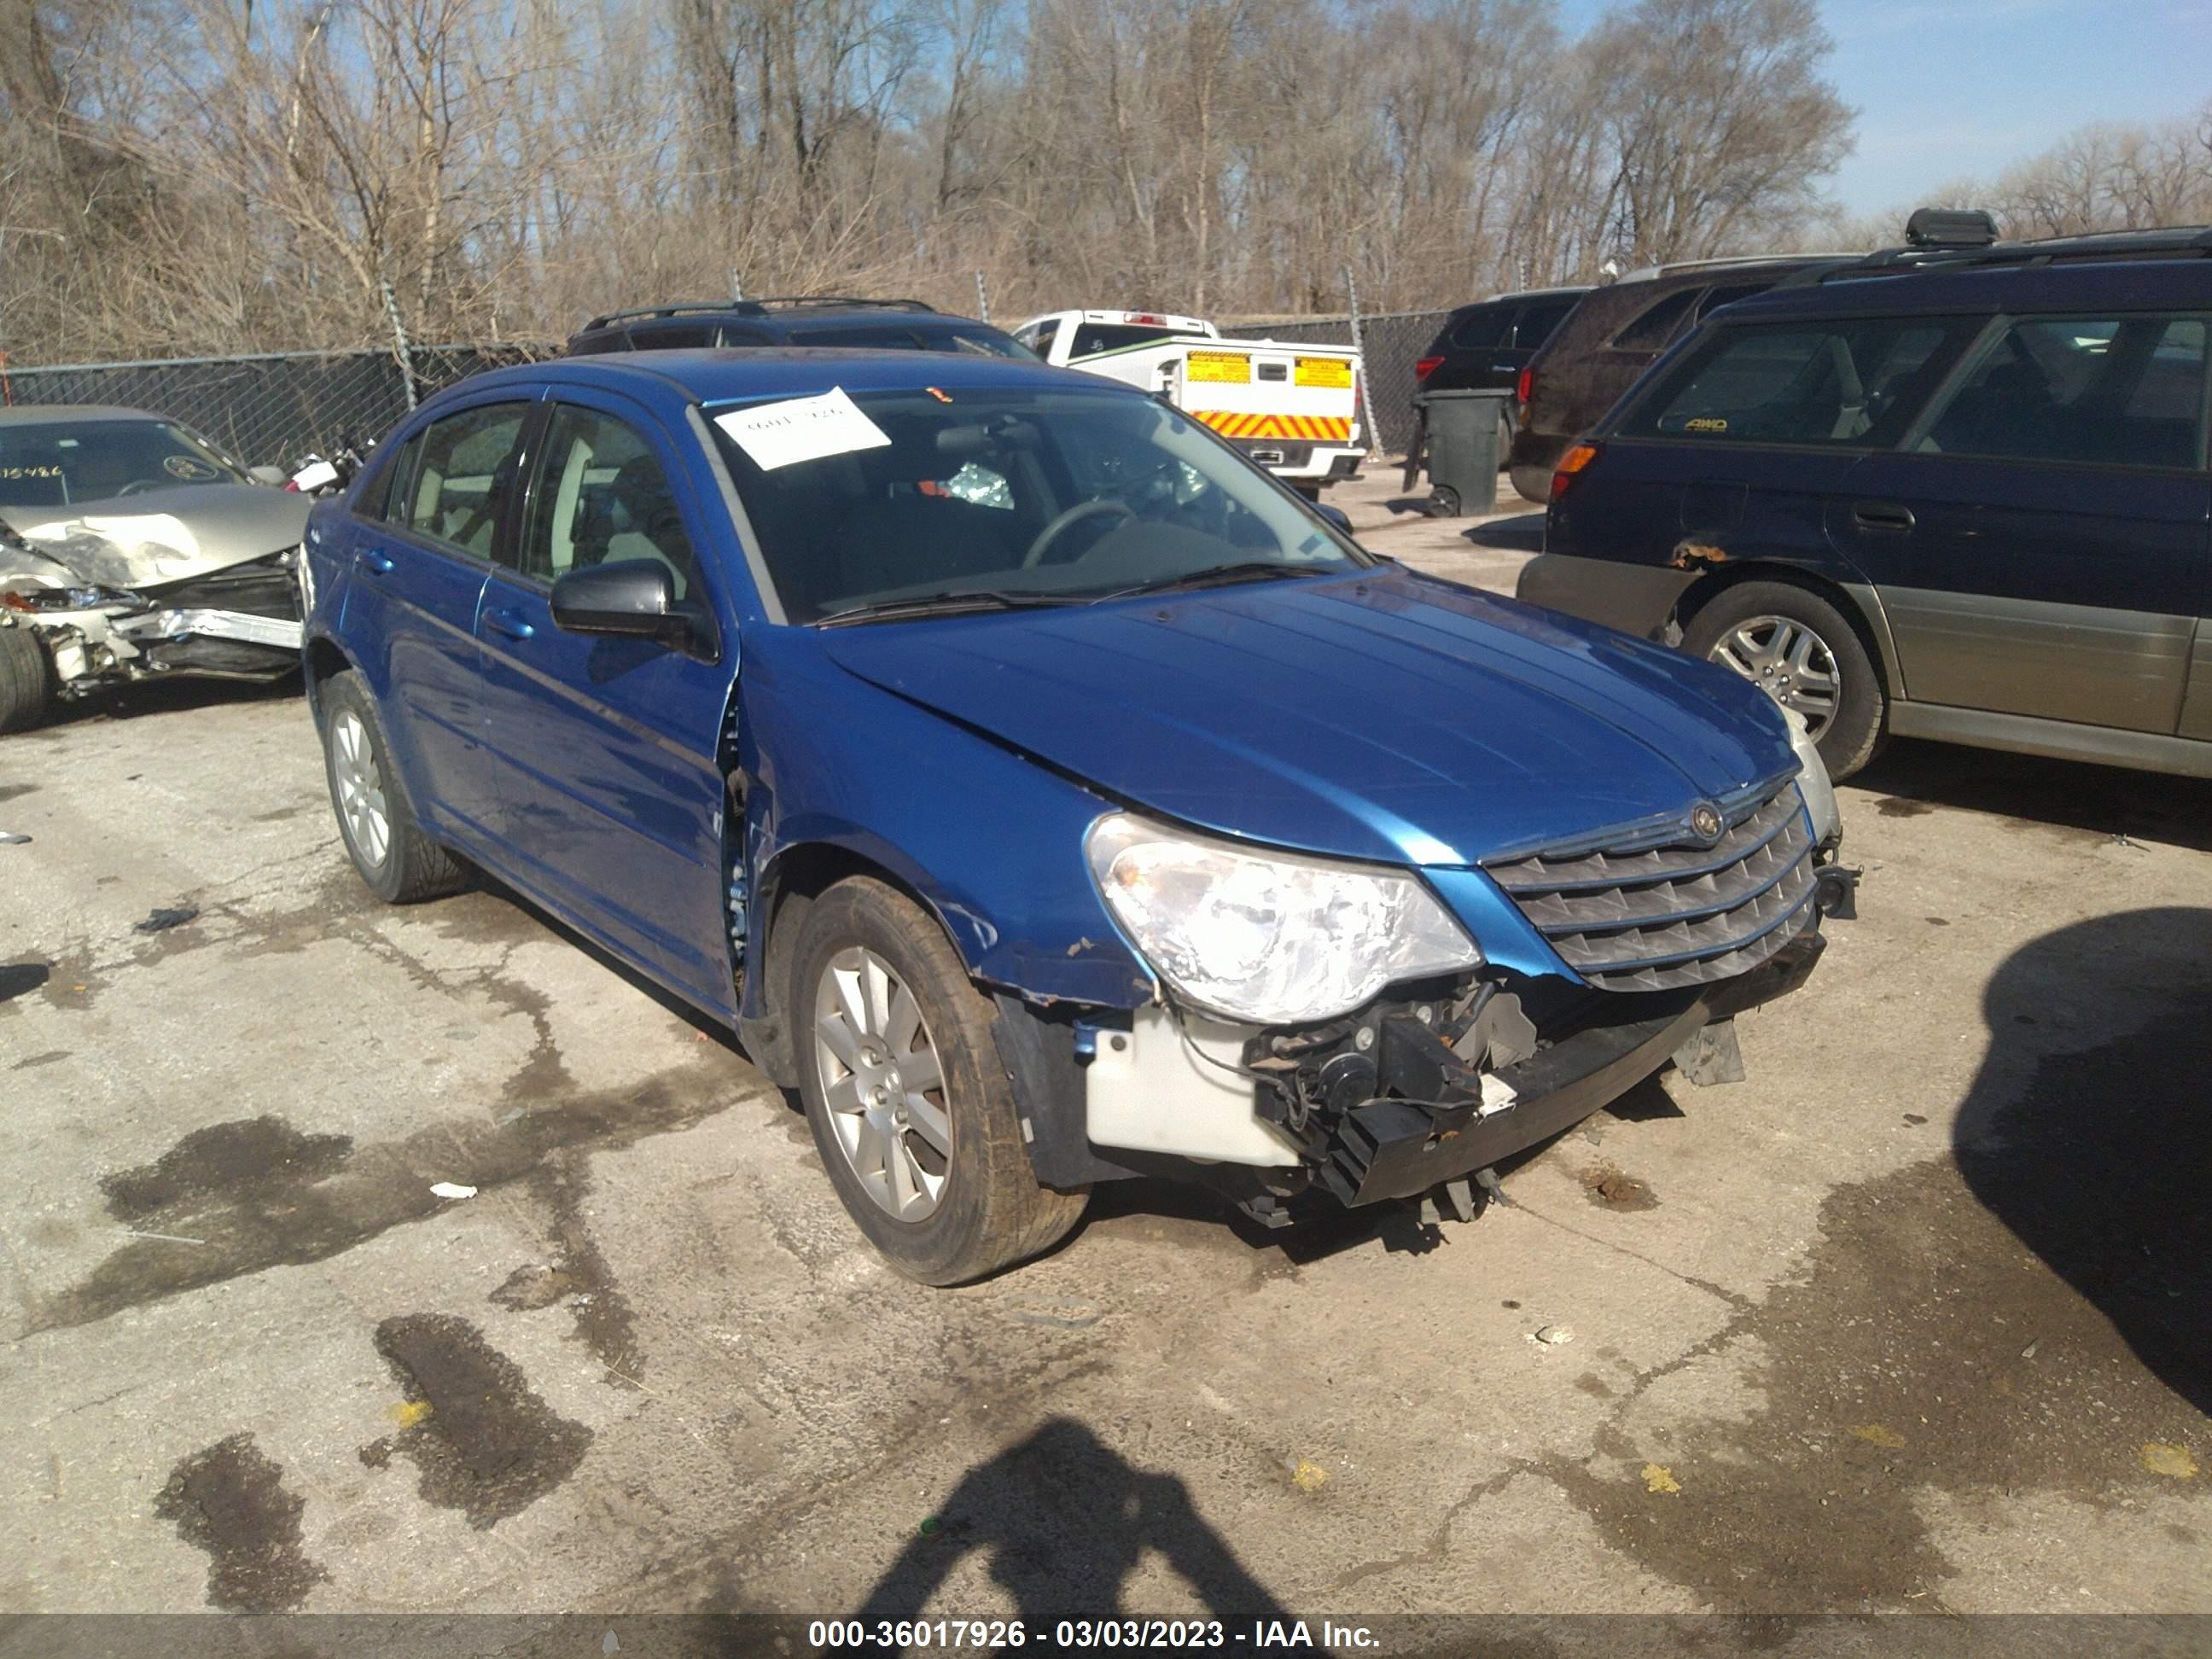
pixel 909 1103
pixel 1803 653
pixel 27 679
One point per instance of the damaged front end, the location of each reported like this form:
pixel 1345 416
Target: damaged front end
pixel 1415 1097
pixel 85 596
pixel 1661 932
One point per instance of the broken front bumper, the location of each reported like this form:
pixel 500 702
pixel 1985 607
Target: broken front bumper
pixel 1389 1104
pixel 238 624
pixel 1400 1148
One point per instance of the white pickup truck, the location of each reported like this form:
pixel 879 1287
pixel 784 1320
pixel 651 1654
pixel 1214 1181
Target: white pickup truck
pixel 1294 408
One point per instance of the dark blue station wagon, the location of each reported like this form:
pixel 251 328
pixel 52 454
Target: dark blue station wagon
pixel 1044 792
pixel 1967 500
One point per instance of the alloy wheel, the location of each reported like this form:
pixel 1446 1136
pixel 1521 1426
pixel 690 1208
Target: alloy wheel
pixel 360 789
pixel 882 1083
pixel 1788 662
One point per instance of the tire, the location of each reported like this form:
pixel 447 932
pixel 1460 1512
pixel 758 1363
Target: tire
pixel 1531 483
pixel 396 861
pixel 1504 443
pixel 1772 633
pixel 869 959
pixel 27 679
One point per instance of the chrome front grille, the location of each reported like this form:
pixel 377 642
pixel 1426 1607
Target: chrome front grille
pixel 1650 909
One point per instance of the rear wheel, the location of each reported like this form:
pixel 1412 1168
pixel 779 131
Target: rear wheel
pixel 399 862
pixel 908 1102
pixel 27 679
pixel 1803 653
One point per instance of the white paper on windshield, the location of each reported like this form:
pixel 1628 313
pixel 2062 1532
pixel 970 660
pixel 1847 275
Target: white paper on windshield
pixel 802 430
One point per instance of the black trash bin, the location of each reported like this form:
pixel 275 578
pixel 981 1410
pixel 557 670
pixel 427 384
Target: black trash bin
pixel 1459 431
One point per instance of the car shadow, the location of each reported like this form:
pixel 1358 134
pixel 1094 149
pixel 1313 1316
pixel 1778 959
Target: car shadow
pixel 1065 1522
pixel 1522 532
pixel 489 886
pixel 2105 801
pixel 2099 1157
pixel 150 698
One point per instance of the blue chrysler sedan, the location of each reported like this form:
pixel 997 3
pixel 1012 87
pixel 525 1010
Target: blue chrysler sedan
pixel 1042 791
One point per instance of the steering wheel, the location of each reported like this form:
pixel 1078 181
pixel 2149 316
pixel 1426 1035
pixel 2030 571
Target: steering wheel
pixel 1061 521
pixel 138 486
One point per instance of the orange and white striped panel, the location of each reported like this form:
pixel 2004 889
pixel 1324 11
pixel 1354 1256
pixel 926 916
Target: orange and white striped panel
pixel 1308 428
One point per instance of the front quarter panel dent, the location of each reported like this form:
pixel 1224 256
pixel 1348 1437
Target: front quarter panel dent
pixel 992 842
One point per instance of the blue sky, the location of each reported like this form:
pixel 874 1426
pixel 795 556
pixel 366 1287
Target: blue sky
pixel 1948 89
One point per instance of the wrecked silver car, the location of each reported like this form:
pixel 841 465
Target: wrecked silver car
pixel 131 549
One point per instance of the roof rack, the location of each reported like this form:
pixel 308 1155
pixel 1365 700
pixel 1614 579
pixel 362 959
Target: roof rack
pixel 758 307
pixel 2177 242
pixel 1645 273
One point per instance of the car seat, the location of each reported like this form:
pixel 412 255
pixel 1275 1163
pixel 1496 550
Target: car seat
pixel 900 535
pixel 634 516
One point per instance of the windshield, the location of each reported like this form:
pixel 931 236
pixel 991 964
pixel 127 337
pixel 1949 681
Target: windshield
pixel 901 336
pixel 63 463
pixel 1028 494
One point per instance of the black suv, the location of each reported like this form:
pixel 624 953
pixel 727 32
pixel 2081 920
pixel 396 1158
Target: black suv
pixel 1613 335
pixel 1961 495
pixel 1484 347
pixel 822 320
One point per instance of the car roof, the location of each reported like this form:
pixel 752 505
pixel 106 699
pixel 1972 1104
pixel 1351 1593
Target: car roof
pixel 82 414
pixel 1513 296
pixel 923 322
pixel 2132 285
pixel 728 374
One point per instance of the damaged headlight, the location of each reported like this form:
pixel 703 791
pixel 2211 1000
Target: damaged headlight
pixel 1273 939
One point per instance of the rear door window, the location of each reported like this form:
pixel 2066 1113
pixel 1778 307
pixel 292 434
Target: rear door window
pixel 461 477
pixel 1537 321
pixel 671 337
pixel 1857 383
pixel 2111 391
pixel 1483 329
pixel 1728 295
pixel 1655 325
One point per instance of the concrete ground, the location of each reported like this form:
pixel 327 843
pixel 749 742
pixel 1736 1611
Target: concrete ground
pixel 1915 1320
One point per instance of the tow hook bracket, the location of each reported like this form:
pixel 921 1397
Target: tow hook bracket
pixel 1711 1056
pixel 1266 1209
pixel 1451 1201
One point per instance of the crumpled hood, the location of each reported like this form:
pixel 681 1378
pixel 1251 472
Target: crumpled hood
pixel 1386 716
pixel 159 536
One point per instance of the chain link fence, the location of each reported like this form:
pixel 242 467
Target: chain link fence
pixel 1393 340
pixel 273 407
pixel 269 409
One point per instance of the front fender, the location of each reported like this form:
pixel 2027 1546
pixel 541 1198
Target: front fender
pixel 990 840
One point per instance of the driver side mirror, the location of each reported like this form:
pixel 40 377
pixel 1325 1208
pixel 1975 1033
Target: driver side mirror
pixel 1336 516
pixel 630 599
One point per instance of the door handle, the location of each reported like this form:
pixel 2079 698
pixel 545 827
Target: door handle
pixel 377 562
pixel 1881 515
pixel 509 623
